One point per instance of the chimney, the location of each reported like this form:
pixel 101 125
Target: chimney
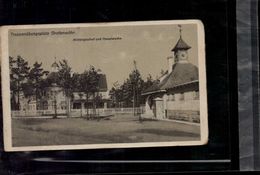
pixel 170 63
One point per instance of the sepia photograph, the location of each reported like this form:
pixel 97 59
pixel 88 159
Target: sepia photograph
pixel 104 85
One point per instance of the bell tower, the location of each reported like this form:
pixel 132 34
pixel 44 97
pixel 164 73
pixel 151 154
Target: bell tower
pixel 180 51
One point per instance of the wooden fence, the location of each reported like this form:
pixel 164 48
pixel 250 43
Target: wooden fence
pixel 78 112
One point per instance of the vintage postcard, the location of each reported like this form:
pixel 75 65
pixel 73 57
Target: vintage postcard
pixel 104 85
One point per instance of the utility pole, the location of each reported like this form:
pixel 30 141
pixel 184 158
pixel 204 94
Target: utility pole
pixel 134 88
pixel 133 99
pixel 180 29
pixel 135 94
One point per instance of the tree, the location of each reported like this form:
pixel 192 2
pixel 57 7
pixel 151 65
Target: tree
pixel 83 86
pixel 35 78
pixel 65 81
pixel 129 93
pixel 116 94
pixel 137 85
pixel 146 84
pixel 149 82
pixel 28 91
pixel 94 87
pixel 19 71
pixel 89 85
pixel 13 83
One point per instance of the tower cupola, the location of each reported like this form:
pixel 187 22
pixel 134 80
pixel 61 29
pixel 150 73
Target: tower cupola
pixel 54 66
pixel 180 50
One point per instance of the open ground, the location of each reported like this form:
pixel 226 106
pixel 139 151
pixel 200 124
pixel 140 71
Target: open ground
pixel 117 129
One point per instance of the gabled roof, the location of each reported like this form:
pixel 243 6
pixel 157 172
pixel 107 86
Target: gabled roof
pixel 154 87
pixel 181 45
pixel 182 73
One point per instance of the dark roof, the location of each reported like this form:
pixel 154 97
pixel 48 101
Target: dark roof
pixel 182 73
pixel 181 45
pixel 53 77
pixel 153 87
pixel 102 84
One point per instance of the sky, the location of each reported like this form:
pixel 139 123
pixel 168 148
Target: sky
pixel 148 45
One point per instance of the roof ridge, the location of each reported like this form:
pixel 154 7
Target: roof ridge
pixel 182 73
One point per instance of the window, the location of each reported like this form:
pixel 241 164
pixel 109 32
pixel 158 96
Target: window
pixel 45 105
pixel 76 105
pixel 172 97
pixel 63 105
pixel 181 97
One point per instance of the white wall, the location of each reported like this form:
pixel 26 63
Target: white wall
pixel 192 105
pixel 189 102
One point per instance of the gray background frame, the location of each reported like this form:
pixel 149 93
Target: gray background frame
pixel 248 83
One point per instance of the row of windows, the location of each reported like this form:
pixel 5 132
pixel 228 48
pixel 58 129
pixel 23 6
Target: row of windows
pixel 76 95
pixel 46 106
pixel 181 96
pixel 62 104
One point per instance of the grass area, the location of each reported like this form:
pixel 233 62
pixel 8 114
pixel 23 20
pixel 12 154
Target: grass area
pixel 118 129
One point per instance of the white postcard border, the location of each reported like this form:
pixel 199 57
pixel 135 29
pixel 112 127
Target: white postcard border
pixel 6 88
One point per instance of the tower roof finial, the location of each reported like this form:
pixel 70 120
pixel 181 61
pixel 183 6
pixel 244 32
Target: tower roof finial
pixel 180 29
pixel 181 45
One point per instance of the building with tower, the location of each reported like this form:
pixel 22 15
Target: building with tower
pixel 53 97
pixel 54 100
pixel 175 95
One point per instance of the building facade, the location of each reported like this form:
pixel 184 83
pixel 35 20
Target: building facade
pixel 176 94
pixel 54 100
